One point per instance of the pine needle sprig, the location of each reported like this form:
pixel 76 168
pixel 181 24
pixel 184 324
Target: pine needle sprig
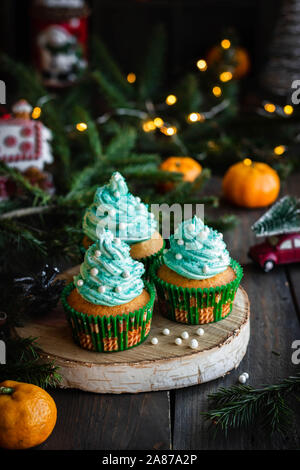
pixel 242 406
pixel 23 364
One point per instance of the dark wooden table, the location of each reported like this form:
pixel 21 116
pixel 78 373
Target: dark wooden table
pixel 171 419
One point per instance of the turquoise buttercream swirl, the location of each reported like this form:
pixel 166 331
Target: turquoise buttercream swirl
pixel 119 211
pixel 108 275
pixel 197 251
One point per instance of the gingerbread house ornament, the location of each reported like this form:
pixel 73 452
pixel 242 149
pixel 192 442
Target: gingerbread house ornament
pixel 24 145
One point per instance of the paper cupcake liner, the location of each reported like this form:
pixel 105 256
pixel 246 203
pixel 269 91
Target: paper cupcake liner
pixel 147 261
pixel 195 306
pixel 109 333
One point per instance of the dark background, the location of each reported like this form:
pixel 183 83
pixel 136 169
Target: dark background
pixel 193 26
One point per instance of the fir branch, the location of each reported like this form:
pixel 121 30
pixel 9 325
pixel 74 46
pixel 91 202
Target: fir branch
pixel 223 223
pixel 101 58
pixel 241 406
pixel 95 146
pixel 20 236
pixel 122 144
pixel 152 71
pixel 114 96
pixel 24 364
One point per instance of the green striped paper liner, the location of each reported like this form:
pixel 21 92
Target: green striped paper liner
pixel 195 306
pixel 147 262
pixel 120 332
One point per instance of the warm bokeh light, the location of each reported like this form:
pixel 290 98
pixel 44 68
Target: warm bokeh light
pixel 171 99
pixel 171 130
pixel 81 126
pixel 193 117
pixel 279 150
pixel 131 77
pixel 288 109
pixel 247 161
pixel 217 91
pixel 270 107
pixel 202 65
pixel 36 112
pixel 225 76
pixel 149 126
pixel 225 44
pixel 158 122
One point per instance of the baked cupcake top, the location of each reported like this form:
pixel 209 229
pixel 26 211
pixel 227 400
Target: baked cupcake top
pixel 197 251
pixel 108 275
pixel 119 211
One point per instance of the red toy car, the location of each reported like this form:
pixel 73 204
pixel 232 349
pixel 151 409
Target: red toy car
pixel 280 249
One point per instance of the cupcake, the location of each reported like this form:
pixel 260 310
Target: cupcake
pixel 127 217
pixel 109 306
pixel 196 279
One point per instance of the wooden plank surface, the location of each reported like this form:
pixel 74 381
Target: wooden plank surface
pixel 274 326
pixel 87 421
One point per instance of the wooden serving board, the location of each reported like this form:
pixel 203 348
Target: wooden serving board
pixel 146 367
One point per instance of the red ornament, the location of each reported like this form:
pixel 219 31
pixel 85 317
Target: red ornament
pixel 10 141
pixel 60 40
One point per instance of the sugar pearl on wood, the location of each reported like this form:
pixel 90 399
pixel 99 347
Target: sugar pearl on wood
pixel 178 341
pixel 246 375
pixel 184 335
pixel 94 271
pixel 80 282
pixel 154 340
pixel 200 332
pixel 193 344
pixel 242 379
pixel 166 331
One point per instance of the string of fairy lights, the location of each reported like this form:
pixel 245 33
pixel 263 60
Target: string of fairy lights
pixel 150 124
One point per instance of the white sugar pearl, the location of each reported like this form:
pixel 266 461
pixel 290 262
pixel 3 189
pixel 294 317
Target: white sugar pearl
pixel 117 241
pixel 193 344
pixel 117 194
pixel 80 282
pixel 180 242
pixel 112 212
pixel 101 289
pixel 178 341
pixel 122 225
pixel 205 269
pixel 200 332
pixel 178 256
pixel 154 340
pixel 166 331
pixel 246 375
pixel 242 379
pixel 190 227
pixel 94 271
pixel 118 289
pixel 184 335
pixel 125 274
pixel 97 253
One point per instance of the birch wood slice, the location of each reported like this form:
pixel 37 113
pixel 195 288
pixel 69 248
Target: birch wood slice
pixel 146 367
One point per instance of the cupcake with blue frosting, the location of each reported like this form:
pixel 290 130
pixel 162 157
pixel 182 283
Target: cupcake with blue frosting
pixel 196 280
pixel 108 305
pixel 126 216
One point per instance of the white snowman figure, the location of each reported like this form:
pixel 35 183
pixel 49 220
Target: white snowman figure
pixel 61 56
